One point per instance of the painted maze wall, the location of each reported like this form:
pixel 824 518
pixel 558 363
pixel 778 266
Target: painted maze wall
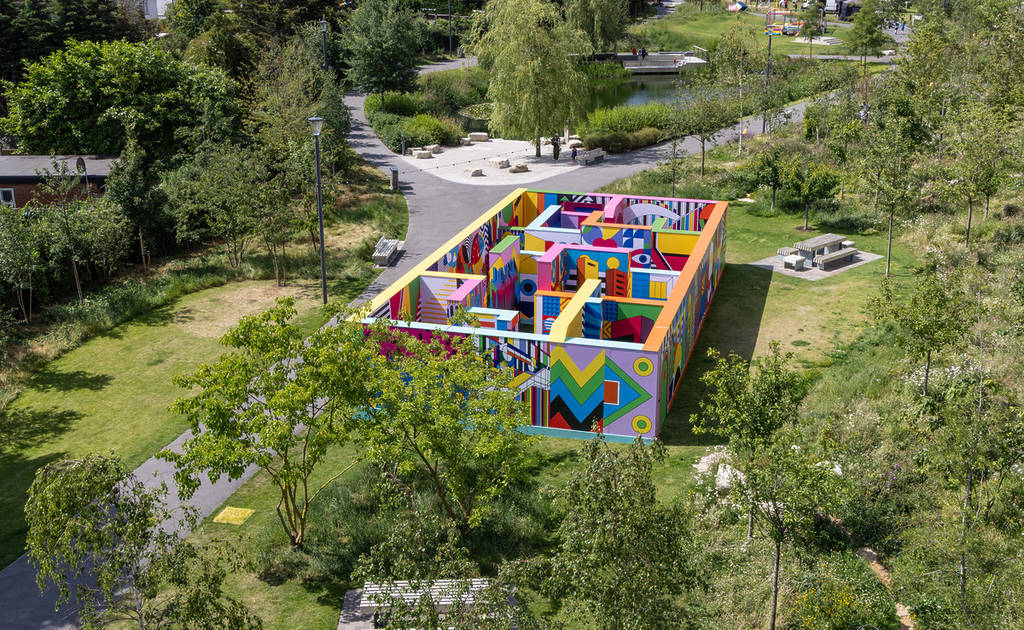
pixel 592 382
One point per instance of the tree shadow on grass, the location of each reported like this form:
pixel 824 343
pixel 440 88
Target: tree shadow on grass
pixel 50 379
pixel 25 428
pixel 731 325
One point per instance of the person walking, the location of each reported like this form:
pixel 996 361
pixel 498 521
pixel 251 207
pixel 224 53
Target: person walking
pixel 634 51
pixel 555 148
pixel 643 54
pixel 573 154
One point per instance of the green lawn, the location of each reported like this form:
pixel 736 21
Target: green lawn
pixel 112 393
pixel 687 28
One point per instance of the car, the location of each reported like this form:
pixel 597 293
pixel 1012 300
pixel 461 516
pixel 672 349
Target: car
pixel 790 29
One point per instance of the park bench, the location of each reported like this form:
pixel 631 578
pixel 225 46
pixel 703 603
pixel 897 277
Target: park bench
pixel 796 261
pixel 591 156
pixel 444 594
pixel 787 251
pixel 824 260
pixel 385 252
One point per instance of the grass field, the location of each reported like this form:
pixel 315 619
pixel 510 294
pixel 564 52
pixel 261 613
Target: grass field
pixel 688 27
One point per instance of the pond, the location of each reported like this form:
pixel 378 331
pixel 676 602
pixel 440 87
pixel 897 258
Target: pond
pixel 658 88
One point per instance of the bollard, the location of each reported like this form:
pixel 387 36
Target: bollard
pixel 394 178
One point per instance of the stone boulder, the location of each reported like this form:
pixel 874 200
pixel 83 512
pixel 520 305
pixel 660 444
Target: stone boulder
pixel 422 154
pixel 478 136
pixel 575 144
pixel 465 142
pixel 520 167
pixel 709 463
pixel 433 148
pixel 726 478
pixel 474 172
pixel 498 162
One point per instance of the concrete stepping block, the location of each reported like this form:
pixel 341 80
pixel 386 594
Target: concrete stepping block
pixel 422 154
pixel 433 148
pixel 498 162
pixel 478 136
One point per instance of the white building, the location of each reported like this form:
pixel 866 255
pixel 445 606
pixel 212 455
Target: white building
pixel 155 9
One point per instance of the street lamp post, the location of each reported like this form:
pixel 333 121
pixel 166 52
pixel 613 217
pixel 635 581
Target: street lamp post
pixel 323 34
pixel 449 27
pixel 315 125
pixel 767 77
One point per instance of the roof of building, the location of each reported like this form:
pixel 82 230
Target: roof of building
pixel 31 166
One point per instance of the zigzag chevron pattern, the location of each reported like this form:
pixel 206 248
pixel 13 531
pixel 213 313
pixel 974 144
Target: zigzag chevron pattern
pixel 577 397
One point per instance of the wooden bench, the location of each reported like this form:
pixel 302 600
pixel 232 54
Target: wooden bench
pixel 821 261
pixel 442 593
pixel 385 252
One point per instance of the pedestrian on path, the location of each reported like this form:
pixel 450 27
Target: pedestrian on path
pixel 555 148
pixel 643 54
pixel 634 51
pixel 573 154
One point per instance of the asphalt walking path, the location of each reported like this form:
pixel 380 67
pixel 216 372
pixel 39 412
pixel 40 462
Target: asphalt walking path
pixel 438 209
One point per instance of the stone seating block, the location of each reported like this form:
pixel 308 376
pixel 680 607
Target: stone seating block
pixel 422 154
pixel 474 172
pixel 433 148
pixel 478 136
pixel 498 162
pixel 520 167
pixel 465 141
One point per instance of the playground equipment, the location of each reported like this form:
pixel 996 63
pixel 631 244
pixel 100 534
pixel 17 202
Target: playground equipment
pixel 781 22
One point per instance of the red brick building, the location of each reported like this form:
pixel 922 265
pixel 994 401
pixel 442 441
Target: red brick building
pixel 20 175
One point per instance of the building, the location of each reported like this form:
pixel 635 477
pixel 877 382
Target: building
pixel 20 175
pixel 594 300
pixel 155 9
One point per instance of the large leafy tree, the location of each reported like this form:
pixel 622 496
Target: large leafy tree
pixel 705 114
pixel 88 97
pixel 866 37
pixel 384 47
pixel 534 81
pixel 767 169
pixel 735 59
pixel 441 413
pixel 20 256
pixel 58 201
pixel 623 557
pixel 603 21
pixel 278 402
pixel 95 531
pixel 749 406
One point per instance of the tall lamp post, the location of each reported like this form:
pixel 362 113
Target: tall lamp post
pixel 315 125
pixel 449 27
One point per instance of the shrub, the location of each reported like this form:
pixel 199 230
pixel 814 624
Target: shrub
pixel 398 103
pixel 841 592
pixel 645 137
pixel 612 142
pixel 425 129
pixel 628 119
pixel 467 86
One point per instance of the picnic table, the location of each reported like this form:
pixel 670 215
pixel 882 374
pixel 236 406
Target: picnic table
pixel 819 245
pixel 444 593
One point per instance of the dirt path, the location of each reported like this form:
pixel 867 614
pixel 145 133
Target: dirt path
pixel 883 575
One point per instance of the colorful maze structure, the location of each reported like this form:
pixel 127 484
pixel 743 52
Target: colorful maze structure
pixel 594 300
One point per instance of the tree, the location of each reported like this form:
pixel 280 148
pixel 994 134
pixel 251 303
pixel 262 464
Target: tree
pixel 534 81
pixel 790 490
pixel 810 23
pixel 213 195
pixel 105 233
pixel 622 557
pixel 441 414
pixel 843 128
pixel 133 185
pixel 383 52
pixel 705 114
pixel 767 169
pixel 979 141
pixel 865 37
pixel 809 181
pixel 887 154
pixel 279 402
pixel 91 96
pixel 930 320
pixel 749 407
pixel 58 197
pixel 603 21
pixel 734 60
pixel 94 528
pixel 191 16
pixel 20 258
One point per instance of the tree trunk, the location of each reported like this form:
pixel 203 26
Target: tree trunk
pixel 962 568
pixel 142 251
pixel 987 198
pixel 702 156
pixel 807 214
pixel 774 188
pixel 21 304
pixel 927 369
pixel 78 282
pixel 775 584
pixel 888 246
pixel 970 217
pixel 538 144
